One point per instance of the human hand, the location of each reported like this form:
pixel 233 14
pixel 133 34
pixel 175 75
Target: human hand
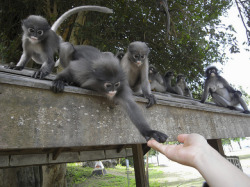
pixel 188 153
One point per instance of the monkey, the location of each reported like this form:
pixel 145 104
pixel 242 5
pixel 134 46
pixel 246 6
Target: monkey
pixel 180 81
pixel 222 93
pixel 120 55
pixel 135 64
pixel 91 69
pixel 40 41
pixel 172 89
pixel 156 80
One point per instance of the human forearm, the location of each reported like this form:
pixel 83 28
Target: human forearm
pixel 218 171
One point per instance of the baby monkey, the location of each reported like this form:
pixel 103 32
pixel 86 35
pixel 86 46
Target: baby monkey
pixel 40 41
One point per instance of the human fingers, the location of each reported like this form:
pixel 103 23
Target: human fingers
pixel 181 137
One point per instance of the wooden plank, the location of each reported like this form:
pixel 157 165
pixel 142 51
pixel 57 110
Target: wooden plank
pixel 217 145
pixel 139 167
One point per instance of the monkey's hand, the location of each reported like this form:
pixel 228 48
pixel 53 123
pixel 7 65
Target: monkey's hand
pixel 13 66
pixel 246 111
pixel 58 86
pixel 151 100
pixel 158 136
pixel 40 74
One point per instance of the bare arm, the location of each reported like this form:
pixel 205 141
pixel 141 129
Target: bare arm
pixel 197 153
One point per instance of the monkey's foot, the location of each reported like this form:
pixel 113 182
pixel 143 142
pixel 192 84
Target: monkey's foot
pixel 58 86
pixel 246 111
pixel 158 136
pixel 151 100
pixel 40 74
pixel 13 66
pixel 231 107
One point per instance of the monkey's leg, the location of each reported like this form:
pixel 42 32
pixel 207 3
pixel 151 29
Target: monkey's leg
pixel 220 101
pixel 21 64
pixel 244 106
pixel 66 51
pixel 139 121
pixel 178 90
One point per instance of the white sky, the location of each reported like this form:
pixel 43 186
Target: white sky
pixel 237 70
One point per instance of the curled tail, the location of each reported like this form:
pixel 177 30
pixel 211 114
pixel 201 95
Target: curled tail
pixel 76 10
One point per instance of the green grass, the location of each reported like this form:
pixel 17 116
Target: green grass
pixel 117 177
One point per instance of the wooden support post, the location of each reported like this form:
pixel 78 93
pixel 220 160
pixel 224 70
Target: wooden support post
pixel 217 145
pixel 140 177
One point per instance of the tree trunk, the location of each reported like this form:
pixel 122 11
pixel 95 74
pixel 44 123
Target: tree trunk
pixel 34 176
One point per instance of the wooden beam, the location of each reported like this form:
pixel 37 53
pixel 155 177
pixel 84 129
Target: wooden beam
pixel 217 145
pixel 140 177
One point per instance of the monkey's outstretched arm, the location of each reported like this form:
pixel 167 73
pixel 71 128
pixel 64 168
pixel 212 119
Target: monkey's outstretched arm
pixel 139 121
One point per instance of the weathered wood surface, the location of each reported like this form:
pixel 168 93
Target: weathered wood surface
pixel 33 119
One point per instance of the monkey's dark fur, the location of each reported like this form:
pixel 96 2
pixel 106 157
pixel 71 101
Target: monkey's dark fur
pixel 89 68
pixel 222 93
pixel 135 64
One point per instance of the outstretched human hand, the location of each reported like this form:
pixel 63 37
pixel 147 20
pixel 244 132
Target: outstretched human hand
pixel 186 153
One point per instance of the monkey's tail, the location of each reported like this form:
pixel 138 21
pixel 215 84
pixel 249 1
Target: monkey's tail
pixel 76 10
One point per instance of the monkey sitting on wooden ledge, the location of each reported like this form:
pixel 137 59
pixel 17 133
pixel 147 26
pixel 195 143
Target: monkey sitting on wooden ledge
pixel 222 93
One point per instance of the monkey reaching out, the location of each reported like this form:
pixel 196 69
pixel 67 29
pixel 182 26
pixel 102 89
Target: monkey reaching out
pixel 172 89
pixel 222 93
pixel 40 41
pixel 135 64
pixel 180 81
pixel 156 80
pixel 89 68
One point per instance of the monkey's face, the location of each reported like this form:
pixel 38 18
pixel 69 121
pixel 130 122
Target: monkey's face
pixel 152 70
pixel 111 89
pixel 138 59
pixel 212 72
pixel 169 74
pixel 181 78
pixel 35 28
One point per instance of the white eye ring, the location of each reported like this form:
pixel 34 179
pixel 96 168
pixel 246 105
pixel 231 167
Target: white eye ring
pixel 40 32
pixel 107 85
pixel 117 84
pixel 31 30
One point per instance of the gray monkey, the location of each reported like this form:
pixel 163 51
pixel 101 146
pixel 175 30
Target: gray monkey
pixel 180 81
pixel 172 89
pixel 40 42
pixel 89 68
pixel 156 80
pixel 135 64
pixel 222 93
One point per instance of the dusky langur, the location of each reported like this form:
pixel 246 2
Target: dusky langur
pixel 91 69
pixel 40 41
pixel 135 64
pixel 156 80
pixel 181 82
pixel 222 93
pixel 172 89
